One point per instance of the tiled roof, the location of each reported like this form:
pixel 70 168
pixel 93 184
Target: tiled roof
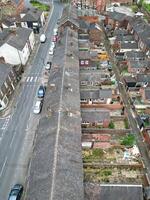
pixel 4 71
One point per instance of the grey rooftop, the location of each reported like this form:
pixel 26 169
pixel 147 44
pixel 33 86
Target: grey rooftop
pixel 56 170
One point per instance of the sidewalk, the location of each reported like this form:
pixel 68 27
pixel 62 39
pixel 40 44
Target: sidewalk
pixel 11 105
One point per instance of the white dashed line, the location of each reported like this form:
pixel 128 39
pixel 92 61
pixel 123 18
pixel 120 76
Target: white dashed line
pixel 3 167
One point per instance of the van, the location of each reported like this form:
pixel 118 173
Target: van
pixel 37 107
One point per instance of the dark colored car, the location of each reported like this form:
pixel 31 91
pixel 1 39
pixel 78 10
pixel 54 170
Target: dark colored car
pixel 16 192
pixel 41 91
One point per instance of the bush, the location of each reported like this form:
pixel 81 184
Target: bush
pixel 128 140
pixel 126 124
pixel 134 8
pixel 111 125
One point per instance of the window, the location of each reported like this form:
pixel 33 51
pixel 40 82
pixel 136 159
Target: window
pixel 86 62
pixel 82 62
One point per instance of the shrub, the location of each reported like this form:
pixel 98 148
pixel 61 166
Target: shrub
pixel 128 140
pixel 111 125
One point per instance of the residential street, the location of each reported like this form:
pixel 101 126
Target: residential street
pixel 17 130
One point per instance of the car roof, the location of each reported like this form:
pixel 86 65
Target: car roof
pixel 38 102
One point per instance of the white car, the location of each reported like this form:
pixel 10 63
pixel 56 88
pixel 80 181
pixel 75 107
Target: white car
pixel 55 31
pixel 51 51
pixel 48 65
pixel 37 107
pixel 52 45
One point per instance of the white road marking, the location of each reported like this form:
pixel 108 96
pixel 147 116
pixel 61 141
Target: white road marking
pixel 31 78
pixel 35 79
pixel 12 139
pixel 28 79
pixel 3 167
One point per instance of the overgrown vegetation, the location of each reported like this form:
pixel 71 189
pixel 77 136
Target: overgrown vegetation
pixel 134 8
pixel 111 125
pixel 126 123
pixel 39 5
pixel 128 140
pixel 92 154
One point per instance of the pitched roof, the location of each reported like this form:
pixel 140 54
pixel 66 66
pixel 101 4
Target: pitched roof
pixel 125 38
pixel 120 32
pixel 143 78
pixel 116 16
pixel 56 170
pixel 139 63
pixel 113 191
pixel 4 71
pixel 4 35
pixel 92 116
pixel 96 94
pixel 69 14
pixel 128 45
pixel 135 55
pixel 32 16
pixel 20 38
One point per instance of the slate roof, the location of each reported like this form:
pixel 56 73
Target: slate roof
pixel 147 93
pixel 116 16
pixel 139 63
pixel 32 16
pixel 120 32
pixel 143 78
pixel 83 36
pixel 96 94
pixel 92 75
pixel 129 79
pixel 91 116
pixel 56 169
pixel 113 192
pixel 4 71
pixel 19 38
pixel 69 14
pixel 135 55
pixel 125 38
pixel 4 35
pixel 128 45
pixel 141 28
pixel 84 55
pixel 84 24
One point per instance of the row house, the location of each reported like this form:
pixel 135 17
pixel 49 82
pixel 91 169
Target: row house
pixel 127 46
pixel 95 117
pixel 135 55
pixel 141 30
pixel 145 92
pixel 93 77
pixel 69 18
pixel 84 58
pixel 33 19
pixel 137 66
pixel 103 96
pixel 8 82
pixel 16 47
pixel 115 20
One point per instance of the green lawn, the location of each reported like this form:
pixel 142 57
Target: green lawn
pixel 39 5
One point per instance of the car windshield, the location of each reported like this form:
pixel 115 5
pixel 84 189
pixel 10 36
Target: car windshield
pixel 14 192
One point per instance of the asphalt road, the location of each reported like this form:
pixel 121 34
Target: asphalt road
pixel 17 130
pixel 131 114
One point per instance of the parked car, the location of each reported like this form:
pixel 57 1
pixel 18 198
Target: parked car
pixel 51 51
pixel 55 37
pixel 42 38
pixel 16 192
pixel 52 45
pixel 48 65
pixel 55 31
pixel 41 91
pixel 37 107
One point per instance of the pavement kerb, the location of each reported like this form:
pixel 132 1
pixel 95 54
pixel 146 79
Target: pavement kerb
pixel 6 112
